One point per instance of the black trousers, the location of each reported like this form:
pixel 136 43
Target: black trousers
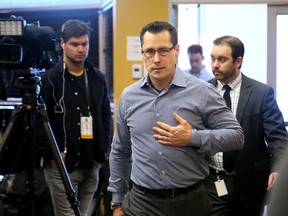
pixel 230 204
pixel 193 203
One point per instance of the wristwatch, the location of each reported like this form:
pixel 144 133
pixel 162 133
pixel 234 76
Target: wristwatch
pixel 115 205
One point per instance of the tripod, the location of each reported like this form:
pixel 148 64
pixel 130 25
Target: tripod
pixel 28 111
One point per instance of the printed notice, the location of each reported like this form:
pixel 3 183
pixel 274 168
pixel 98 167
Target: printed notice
pixel 133 48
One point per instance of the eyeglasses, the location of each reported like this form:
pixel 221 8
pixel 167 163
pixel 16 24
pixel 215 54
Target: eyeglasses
pixel 150 53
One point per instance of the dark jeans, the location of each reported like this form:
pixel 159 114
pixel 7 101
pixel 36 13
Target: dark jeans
pixel 194 203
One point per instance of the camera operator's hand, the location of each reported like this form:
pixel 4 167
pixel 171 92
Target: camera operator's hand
pixel 53 162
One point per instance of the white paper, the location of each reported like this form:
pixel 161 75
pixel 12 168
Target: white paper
pixel 133 48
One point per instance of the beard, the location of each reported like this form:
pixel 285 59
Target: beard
pixel 225 76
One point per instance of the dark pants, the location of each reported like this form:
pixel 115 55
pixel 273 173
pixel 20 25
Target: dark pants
pixel 230 204
pixel 193 203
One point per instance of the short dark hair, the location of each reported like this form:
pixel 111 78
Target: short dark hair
pixel 159 26
pixel 195 48
pixel 234 43
pixel 75 28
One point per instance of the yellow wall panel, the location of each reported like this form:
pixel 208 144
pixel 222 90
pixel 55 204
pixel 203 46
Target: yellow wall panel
pixel 129 17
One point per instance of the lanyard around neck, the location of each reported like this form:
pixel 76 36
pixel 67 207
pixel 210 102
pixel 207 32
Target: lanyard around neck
pixel 87 90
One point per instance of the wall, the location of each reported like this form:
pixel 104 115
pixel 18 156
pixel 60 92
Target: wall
pixel 129 17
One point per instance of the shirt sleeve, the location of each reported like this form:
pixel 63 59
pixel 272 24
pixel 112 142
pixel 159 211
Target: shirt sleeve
pixel 223 132
pixel 120 156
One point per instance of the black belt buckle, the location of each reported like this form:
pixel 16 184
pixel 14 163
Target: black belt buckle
pixel 172 193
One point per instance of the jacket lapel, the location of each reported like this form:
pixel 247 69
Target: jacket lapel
pixel 245 93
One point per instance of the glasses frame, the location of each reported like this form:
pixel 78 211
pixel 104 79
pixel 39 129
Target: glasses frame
pixel 160 51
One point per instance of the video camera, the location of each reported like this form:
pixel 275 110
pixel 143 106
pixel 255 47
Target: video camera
pixel 26 50
pixel 24 45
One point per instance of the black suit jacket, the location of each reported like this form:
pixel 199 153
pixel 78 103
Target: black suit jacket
pixel 265 139
pixel 52 92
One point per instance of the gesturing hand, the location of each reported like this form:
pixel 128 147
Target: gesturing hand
pixel 178 136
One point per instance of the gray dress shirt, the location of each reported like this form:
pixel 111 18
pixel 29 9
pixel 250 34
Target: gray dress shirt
pixel 136 154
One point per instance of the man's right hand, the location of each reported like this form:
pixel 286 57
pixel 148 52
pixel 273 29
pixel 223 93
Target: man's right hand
pixel 53 162
pixel 177 136
pixel 118 212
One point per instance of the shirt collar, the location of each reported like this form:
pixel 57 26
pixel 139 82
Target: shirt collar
pixel 233 84
pixel 178 79
pixel 199 72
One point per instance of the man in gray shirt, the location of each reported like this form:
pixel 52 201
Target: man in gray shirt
pixel 195 55
pixel 165 123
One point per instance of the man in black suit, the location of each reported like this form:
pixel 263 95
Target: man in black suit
pixel 242 190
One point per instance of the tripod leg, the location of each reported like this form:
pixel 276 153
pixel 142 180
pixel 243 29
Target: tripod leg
pixel 71 195
pixel 17 115
pixel 9 130
pixel 30 122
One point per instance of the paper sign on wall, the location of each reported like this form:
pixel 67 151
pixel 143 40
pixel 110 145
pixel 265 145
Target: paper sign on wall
pixel 133 48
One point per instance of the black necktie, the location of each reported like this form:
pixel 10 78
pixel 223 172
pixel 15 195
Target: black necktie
pixel 228 157
pixel 226 95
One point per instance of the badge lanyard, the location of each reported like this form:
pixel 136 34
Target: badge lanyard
pixel 86 121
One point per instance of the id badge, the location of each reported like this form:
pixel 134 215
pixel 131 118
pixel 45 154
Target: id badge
pixel 221 187
pixel 86 127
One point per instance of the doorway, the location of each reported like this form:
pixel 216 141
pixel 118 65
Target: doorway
pixel 202 23
pixel 261 27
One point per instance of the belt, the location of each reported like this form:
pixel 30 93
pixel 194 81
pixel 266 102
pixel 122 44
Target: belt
pixel 164 193
pixel 220 172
